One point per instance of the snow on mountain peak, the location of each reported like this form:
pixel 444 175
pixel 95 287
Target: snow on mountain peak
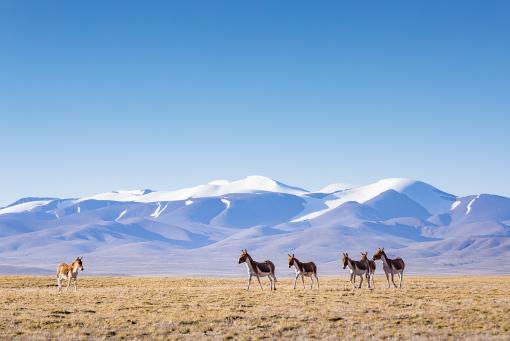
pixel 332 188
pixel 250 184
pixel 218 182
pixel 24 206
pixel 432 199
pixel 123 195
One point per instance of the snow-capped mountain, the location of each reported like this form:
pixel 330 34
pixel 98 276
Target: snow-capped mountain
pixel 180 232
pixel 250 184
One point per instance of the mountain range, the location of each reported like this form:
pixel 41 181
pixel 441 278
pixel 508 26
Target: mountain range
pixel 201 230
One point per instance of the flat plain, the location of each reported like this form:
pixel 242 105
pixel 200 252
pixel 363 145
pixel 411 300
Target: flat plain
pixel 442 307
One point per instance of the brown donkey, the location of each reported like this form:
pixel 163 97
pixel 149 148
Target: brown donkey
pixel 69 272
pixel 391 266
pixel 258 269
pixel 303 269
pixel 371 269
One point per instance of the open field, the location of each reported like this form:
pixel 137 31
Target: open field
pixel 103 307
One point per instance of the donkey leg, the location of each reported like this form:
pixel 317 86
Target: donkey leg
pixel 249 282
pixel 361 281
pixel 75 282
pixel 401 279
pixel 295 281
pixel 303 280
pixel 392 280
pixel 273 282
pixel 317 280
pixel 59 284
pixel 387 279
pixel 258 278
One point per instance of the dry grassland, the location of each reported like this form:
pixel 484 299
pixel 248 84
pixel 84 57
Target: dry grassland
pixel 179 308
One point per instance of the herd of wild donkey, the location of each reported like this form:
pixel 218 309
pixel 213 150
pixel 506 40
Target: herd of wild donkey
pixel 359 268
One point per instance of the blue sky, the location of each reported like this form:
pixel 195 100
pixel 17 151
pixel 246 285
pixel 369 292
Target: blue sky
pixel 105 95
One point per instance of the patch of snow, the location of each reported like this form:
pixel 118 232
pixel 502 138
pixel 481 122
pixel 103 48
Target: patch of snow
pixel 226 202
pixel 188 202
pixel 78 209
pixel 454 205
pixel 121 215
pixel 159 210
pixel 471 203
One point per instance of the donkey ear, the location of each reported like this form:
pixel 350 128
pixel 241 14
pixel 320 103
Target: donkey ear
pixel 289 254
pixel 382 249
pixel 292 255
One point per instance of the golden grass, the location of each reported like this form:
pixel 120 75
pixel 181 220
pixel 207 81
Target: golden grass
pixel 179 308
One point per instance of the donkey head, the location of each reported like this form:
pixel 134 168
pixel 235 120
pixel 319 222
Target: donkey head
pixel 345 260
pixel 378 254
pixel 243 257
pixel 79 262
pixel 291 260
pixel 364 256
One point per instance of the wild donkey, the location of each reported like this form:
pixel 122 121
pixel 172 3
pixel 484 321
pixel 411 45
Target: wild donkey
pixel 303 269
pixel 258 269
pixel 391 266
pixel 371 269
pixel 356 268
pixel 69 272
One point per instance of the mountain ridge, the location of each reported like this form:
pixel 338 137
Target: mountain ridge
pixel 410 218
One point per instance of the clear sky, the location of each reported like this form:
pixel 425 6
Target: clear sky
pixel 104 95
